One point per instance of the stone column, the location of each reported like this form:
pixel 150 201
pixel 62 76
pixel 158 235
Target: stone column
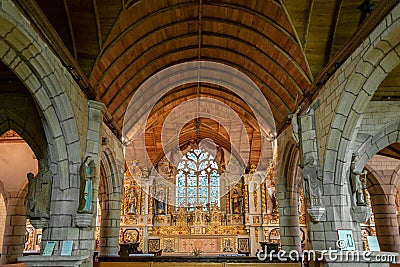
pixel 288 217
pixel 109 228
pixel 93 142
pixel 387 226
pixel 14 230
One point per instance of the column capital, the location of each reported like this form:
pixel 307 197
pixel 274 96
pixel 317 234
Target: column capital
pixel 96 105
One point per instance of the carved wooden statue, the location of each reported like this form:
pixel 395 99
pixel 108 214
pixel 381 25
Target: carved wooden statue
pixel 87 173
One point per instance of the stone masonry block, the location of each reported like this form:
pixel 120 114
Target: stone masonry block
pixel 64 109
pixel 390 61
pixel 61 148
pixel 374 56
pixel 70 131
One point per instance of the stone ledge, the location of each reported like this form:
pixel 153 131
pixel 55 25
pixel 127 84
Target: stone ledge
pixel 50 261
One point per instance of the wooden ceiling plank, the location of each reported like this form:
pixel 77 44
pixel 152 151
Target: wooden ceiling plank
pixel 237 65
pixel 307 25
pixel 301 44
pixel 133 64
pixel 68 14
pixel 332 31
pixel 251 75
pixel 98 25
pixel 128 50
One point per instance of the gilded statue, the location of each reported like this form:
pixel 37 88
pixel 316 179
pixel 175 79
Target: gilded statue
pixel 312 183
pixel 358 182
pixel 87 173
pixel 236 200
pixel 160 202
pixel 39 192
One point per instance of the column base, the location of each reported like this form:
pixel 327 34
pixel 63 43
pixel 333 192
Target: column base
pixel 50 261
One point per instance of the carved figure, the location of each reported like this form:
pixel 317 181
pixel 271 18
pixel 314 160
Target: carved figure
pixel 133 197
pixel 160 203
pixel 358 185
pixel 236 201
pixel 39 192
pixel 312 183
pixel 31 212
pixel 87 173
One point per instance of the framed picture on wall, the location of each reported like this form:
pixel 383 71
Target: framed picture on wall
pixel 243 244
pixel 131 236
pixel 154 245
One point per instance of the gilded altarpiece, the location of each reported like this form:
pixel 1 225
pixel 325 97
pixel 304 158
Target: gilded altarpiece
pixel 159 205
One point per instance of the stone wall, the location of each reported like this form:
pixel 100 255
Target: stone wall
pixel 65 119
pixel 377 115
pixel 339 108
pixel 3 213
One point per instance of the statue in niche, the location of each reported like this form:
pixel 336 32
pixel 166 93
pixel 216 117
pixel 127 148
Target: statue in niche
pixel 39 192
pixel 31 212
pixel 272 197
pixel 312 183
pixel 181 216
pixel 160 202
pixel 133 199
pixel 215 213
pixel 236 200
pixel 87 173
pixel 358 182
pixel 198 215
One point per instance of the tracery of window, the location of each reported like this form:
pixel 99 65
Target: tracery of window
pixel 197 180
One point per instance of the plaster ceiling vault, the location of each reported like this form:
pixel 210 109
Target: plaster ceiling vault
pixel 286 47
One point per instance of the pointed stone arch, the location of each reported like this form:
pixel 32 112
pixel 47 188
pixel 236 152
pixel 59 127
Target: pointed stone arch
pixel 111 192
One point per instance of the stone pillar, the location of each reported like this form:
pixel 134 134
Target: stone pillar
pixel 93 142
pixel 288 217
pixel 109 228
pixel 387 226
pixel 14 230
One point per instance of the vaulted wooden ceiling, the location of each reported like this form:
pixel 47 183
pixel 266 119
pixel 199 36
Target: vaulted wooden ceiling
pixel 282 45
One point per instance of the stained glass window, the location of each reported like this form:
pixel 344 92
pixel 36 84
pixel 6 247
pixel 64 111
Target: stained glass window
pixel 197 180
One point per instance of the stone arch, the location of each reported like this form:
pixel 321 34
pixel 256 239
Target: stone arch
pixel 382 138
pixel 111 182
pixel 395 179
pixel 369 65
pixel 28 57
pixel 25 126
pixel 53 89
pixel 14 229
pixel 288 197
pixel 383 202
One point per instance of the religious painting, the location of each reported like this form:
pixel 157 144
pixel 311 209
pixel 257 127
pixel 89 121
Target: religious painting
pixel 154 245
pixel 131 236
pixel 243 244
